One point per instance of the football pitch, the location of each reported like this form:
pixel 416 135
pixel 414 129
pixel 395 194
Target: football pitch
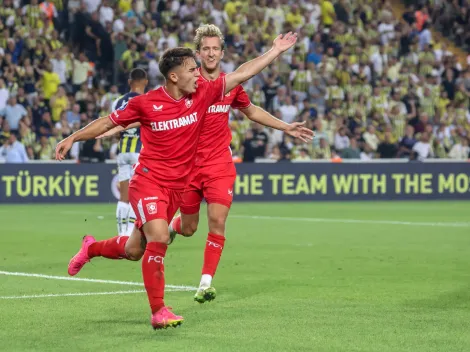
pixel 389 276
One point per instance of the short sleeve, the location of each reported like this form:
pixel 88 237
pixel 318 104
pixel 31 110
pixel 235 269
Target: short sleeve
pixel 214 90
pixel 128 113
pixel 242 100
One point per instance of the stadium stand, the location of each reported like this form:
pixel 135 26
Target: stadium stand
pixel 371 84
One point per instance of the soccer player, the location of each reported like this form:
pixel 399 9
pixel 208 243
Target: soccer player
pixel 171 119
pixel 129 149
pixel 214 174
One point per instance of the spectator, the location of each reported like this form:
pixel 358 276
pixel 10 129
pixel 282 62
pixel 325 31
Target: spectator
pixel 460 151
pixel 13 151
pixel 387 149
pixel 422 149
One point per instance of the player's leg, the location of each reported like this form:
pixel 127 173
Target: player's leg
pixel 132 159
pixel 186 223
pixel 218 191
pixel 154 206
pixel 118 247
pixel 123 206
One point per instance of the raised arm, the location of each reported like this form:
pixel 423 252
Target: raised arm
pixel 295 129
pixel 255 66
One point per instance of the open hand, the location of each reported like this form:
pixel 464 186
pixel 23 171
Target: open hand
pixel 297 130
pixel 62 148
pixel 284 42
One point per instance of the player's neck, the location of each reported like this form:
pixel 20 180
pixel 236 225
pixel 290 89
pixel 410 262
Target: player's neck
pixel 138 89
pixel 210 76
pixel 174 92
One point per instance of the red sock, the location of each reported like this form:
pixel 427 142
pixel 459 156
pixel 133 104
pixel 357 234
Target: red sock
pixel 153 273
pixel 111 249
pixel 176 224
pixel 212 253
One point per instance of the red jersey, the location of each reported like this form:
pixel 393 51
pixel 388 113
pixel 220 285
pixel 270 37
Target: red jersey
pixel 216 136
pixel 169 130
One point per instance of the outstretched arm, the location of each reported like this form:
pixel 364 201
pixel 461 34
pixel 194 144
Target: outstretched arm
pixel 118 129
pixel 255 66
pixel 90 131
pixel 295 129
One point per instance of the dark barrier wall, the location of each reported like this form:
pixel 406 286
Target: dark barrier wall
pixel 68 183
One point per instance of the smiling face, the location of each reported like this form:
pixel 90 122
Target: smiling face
pixel 211 53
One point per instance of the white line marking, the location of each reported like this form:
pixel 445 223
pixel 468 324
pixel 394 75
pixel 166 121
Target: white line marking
pixel 72 294
pixel 80 294
pixel 355 221
pixel 129 283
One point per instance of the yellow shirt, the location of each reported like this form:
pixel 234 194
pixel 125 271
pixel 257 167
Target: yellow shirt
pixel 296 20
pixel 327 12
pixel 125 5
pixel 50 83
pixel 59 105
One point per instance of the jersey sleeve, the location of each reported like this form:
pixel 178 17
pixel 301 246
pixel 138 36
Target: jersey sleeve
pixel 242 100
pixel 128 113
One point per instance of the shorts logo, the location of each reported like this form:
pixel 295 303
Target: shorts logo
pixel 188 103
pixel 230 192
pixel 152 208
pixel 228 94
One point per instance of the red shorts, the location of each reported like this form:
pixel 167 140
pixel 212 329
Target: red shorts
pixel 151 201
pixel 213 182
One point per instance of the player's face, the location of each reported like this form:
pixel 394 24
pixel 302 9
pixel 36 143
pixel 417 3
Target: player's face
pixel 187 76
pixel 210 53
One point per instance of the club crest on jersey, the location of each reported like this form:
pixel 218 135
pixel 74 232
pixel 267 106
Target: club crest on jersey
pixel 152 208
pixel 188 103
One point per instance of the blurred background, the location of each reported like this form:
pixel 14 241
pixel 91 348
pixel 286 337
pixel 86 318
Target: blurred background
pixel 374 79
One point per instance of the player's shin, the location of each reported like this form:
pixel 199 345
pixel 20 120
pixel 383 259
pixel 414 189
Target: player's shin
pixel 212 253
pixel 113 248
pixel 131 218
pixel 122 214
pixel 153 274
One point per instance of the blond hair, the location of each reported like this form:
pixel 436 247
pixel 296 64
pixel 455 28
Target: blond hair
pixel 208 30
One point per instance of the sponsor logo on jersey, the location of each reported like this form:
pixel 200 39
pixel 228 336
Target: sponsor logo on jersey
pixel 157 108
pixel 175 123
pixel 218 108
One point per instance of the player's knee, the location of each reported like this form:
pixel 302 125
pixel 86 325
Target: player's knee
pixel 134 254
pixel 189 229
pixel 217 225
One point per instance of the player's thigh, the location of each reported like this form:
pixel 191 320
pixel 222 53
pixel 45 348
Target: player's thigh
pixel 151 202
pixel 135 245
pixel 218 184
pixel 124 191
pixel 156 230
pixel 192 195
pixel 218 192
pixel 125 170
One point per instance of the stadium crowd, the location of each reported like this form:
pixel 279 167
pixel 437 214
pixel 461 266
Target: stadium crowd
pixel 369 84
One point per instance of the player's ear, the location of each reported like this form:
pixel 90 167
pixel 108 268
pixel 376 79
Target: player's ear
pixel 223 53
pixel 173 77
pixel 198 55
pixel 129 82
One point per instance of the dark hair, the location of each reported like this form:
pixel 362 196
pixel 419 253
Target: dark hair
pixel 172 58
pixel 138 74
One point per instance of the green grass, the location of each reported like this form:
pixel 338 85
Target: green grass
pixel 283 285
